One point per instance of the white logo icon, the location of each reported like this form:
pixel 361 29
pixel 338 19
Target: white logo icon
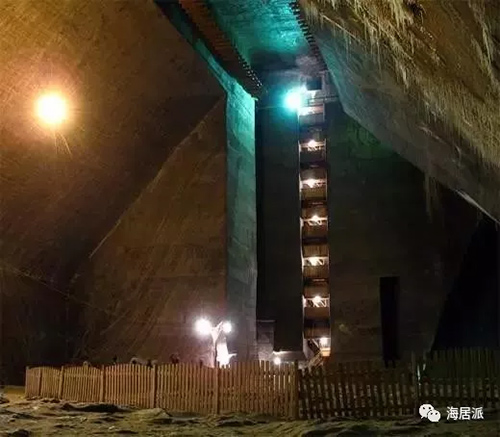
pixel 428 411
pixel 434 416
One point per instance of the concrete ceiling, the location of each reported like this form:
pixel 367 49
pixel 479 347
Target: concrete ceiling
pixel 424 78
pixel 265 32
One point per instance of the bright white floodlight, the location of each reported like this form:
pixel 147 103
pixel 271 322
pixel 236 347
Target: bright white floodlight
pixel 294 100
pixel 316 300
pixel 314 260
pixel 203 327
pixel 277 361
pixel 312 143
pixel 315 220
pixel 310 182
pixel 323 341
pixel 51 108
pixel 227 327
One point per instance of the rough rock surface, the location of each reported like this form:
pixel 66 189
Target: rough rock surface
pixel 424 77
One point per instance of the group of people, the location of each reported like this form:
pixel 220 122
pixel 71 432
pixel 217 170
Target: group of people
pixel 174 359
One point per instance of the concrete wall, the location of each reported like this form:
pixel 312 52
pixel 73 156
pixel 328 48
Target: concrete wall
pixel 135 89
pixel 280 263
pixel 184 249
pixel 378 227
pixel 165 263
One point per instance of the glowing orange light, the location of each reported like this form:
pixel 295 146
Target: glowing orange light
pixel 51 109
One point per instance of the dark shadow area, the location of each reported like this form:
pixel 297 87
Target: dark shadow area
pixel 470 313
pixel 389 309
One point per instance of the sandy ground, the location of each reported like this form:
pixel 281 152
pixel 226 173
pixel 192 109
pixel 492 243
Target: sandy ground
pixel 21 418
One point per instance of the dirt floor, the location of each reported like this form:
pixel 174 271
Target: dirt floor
pixel 21 418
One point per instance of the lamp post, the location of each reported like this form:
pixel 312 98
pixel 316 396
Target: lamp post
pixel 205 328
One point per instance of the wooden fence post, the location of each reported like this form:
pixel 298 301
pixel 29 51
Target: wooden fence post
pixel 61 383
pixel 40 373
pixel 415 382
pixel 217 389
pixel 294 385
pixel 154 386
pixel 27 381
pixel 103 384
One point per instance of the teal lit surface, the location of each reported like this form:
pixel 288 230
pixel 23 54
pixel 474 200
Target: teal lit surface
pixel 266 32
pixel 294 99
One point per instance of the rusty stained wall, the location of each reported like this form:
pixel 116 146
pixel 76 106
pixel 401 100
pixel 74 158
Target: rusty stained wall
pixel 136 89
pixel 380 225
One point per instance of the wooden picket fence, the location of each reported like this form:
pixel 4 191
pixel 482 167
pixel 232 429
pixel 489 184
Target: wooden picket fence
pixel 347 389
pixel 254 387
pixel 467 377
pixel 370 389
pixel 356 389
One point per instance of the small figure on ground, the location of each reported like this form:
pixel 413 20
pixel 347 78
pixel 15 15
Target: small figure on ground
pixel 115 360
pixel 174 359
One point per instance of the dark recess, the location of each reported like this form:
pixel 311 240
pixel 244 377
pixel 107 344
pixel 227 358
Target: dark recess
pixel 389 307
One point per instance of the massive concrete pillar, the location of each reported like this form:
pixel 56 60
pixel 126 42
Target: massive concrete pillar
pixel 184 249
pixel 142 101
pixel 280 262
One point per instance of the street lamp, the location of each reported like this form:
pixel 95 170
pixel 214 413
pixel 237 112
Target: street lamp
pixel 205 328
pixel 51 109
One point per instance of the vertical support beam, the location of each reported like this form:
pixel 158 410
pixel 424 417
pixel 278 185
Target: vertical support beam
pixel 280 284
